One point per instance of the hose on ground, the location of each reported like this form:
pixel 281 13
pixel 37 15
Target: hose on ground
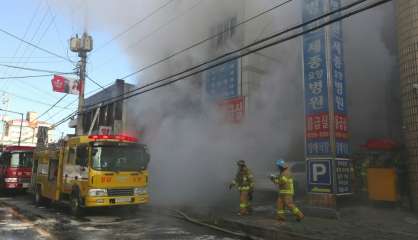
pixel 195 221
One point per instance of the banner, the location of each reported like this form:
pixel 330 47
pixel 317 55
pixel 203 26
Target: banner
pixel 65 85
pixel 233 109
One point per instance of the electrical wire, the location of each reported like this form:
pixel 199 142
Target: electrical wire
pixel 31 100
pixel 296 27
pixel 173 19
pixel 32 69
pixel 119 35
pixel 95 82
pixel 50 108
pixel 27 30
pixel 33 76
pixel 214 36
pixel 303 32
pixel 211 37
pixel 33 45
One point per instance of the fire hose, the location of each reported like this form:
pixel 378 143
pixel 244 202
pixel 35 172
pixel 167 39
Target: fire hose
pixel 184 216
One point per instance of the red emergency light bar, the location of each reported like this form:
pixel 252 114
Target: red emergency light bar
pixel 114 137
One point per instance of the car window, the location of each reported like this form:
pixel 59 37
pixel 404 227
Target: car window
pixel 298 167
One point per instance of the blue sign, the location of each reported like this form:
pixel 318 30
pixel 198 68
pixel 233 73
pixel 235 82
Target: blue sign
pixel 222 81
pixel 315 81
pixel 318 147
pixel 343 174
pixel 315 73
pixel 320 176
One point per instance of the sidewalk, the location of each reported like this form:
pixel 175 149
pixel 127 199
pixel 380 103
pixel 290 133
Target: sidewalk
pixel 352 223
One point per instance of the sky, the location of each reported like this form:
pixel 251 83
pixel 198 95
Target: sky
pixel 49 27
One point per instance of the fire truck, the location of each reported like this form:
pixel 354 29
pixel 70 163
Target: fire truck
pixel 92 171
pixel 16 167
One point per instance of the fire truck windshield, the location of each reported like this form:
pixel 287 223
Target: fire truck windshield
pixel 21 159
pixel 119 158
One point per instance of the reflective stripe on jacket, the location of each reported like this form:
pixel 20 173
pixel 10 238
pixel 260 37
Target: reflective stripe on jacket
pixel 285 182
pixel 244 181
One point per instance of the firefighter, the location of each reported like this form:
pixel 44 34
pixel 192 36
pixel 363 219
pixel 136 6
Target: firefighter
pixel 245 183
pixel 286 192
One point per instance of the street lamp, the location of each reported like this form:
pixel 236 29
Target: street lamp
pixel 21 122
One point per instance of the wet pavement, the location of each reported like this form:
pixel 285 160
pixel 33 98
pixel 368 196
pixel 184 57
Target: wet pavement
pixel 55 222
pixel 13 226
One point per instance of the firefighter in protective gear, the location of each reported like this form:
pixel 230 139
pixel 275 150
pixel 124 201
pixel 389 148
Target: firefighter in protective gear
pixel 286 192
pixel 245 183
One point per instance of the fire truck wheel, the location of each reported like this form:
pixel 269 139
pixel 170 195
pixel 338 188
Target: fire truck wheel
pixel 37 198
pixel 76 208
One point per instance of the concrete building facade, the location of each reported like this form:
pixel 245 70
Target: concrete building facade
pixel 111 117
pixel 30 125
pixel 407 15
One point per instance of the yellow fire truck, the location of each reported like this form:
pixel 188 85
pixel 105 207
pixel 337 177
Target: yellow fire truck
pixel 92 171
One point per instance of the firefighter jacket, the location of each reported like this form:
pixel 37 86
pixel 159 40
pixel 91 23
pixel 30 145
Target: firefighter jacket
pixel 285 183
pixel 244 180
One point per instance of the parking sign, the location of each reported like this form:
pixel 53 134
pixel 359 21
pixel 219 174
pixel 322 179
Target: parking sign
pixel 320 175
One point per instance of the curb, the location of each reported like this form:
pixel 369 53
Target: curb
pixel 252 230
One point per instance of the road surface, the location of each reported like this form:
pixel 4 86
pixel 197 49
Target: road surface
pixel 20 219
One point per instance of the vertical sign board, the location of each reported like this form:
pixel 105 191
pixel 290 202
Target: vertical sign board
pixel 222 81
pixel 325 102
pixel 343 176
pixel 339 88
pixel 222 86
pixel 315 83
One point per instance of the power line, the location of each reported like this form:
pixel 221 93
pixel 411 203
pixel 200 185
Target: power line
pixel 209 38
pixel 95 82
pixel 33 45
pixel 303 32
pixel 154 31
pixel 33 100
pixel 117 36
pixel 32 76
pixel 31 69
pixel 75 101
pixel 50 108
pixel 27 28
pixel 219 58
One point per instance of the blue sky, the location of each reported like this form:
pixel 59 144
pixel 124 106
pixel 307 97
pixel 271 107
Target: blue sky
pixel 34 18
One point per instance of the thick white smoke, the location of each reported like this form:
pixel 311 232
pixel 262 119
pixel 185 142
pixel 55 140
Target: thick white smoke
pixel 193 151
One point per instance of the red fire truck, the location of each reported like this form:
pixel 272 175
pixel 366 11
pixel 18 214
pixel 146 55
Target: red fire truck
pixel 16 167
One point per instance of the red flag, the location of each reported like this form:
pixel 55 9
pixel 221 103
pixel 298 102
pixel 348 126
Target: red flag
pixel 65 85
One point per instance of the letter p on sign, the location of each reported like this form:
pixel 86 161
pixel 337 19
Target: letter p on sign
pixel 318 169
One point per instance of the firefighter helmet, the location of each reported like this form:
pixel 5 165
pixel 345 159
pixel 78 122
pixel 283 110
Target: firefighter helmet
pixel 241 163
pixel 281 163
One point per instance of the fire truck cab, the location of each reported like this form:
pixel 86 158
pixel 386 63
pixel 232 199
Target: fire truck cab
pixel 92 171
pixel 16 167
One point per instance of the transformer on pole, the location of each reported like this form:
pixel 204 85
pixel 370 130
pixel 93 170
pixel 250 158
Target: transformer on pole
pixel 81 46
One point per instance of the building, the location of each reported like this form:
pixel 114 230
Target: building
pixel 106 118
pixel 408 67
pixel 12 131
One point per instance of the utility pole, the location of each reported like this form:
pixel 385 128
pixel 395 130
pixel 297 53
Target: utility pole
pixel 5 102
pixel 81 46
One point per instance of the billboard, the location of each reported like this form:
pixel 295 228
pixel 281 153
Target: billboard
pixel 65 85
